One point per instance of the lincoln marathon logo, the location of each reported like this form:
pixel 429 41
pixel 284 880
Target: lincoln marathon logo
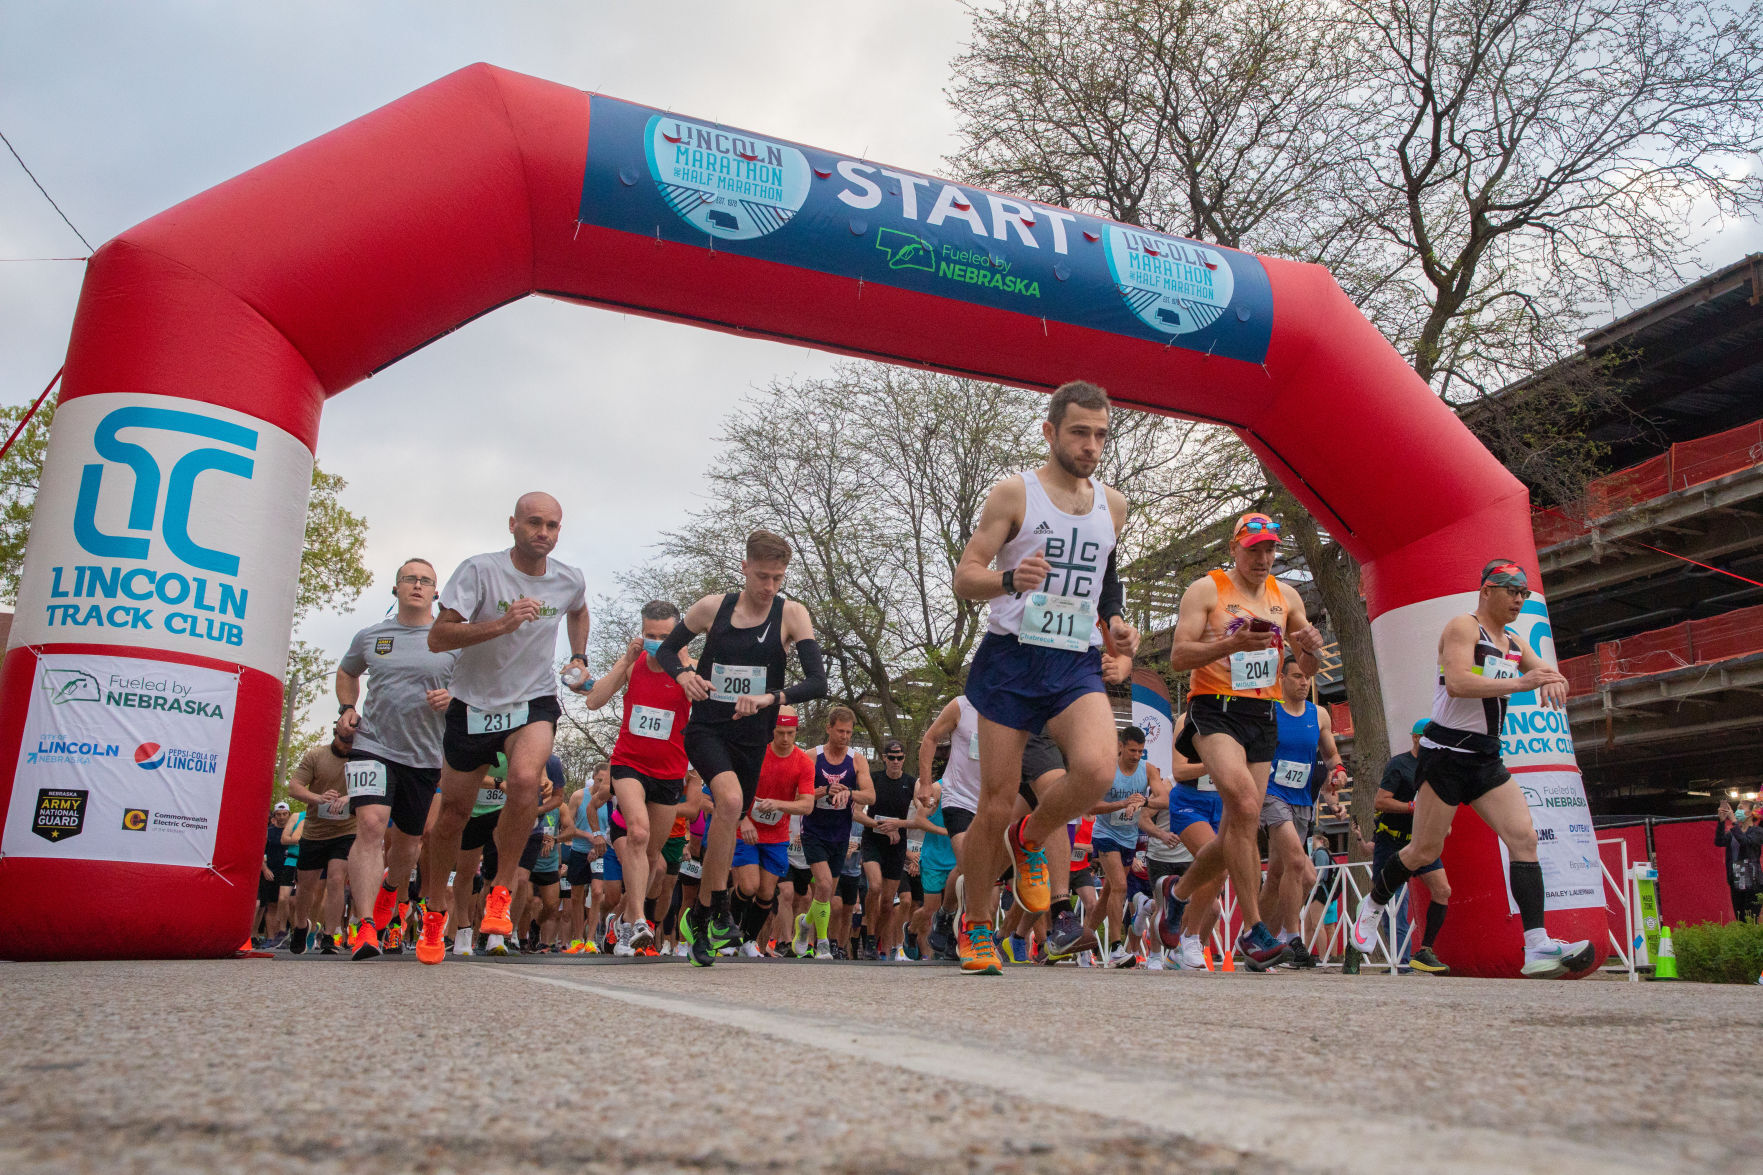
pixel 730 184
pixel 60 814
pixel 153 757
pixel 204 601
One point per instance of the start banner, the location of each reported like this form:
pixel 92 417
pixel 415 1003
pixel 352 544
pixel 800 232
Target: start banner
pixel 121 760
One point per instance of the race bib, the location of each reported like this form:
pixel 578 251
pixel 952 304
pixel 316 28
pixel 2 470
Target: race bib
pixel 973 747
pixel 491 797
pixel 771 817
pixel 1254 669
pixel 729 683
pixel 336 811
pixel 365 777
pixel 1123 818
pixel 1289 774
pixel 690 868
pixel 824 802
pixel 1058 622
pixel 495 721
pixel 649 722
pixel 1500 668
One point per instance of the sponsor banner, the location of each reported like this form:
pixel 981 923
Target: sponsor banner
pixel 1151 713
pixel 1567 847
pixel 1535 736
pixel 673 178
pixel 121 760
pixel 166 524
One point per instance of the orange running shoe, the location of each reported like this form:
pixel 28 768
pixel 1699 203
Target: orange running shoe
pixel 496 920
pixel 1031 882
pixel 978 950
pixel 385 905
pixel 430 948
pixel 366 941
pixel 394 937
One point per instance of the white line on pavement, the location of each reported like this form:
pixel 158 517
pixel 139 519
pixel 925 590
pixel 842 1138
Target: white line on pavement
pixel 1305 1134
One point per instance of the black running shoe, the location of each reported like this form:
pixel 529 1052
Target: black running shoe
pixel 297 939
pixel 1302 959
pixel 942 936
pixel 1067 936
pixel 327 943
pixel 723 932
pixel 697 938
pixel 1350 963
pixel 839 951
pixel 1427 963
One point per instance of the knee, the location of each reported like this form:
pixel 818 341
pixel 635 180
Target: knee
pixel 1521 844
pixel 996 808
pixel 1093 770
pixel 1441 891
pixel 638 835
pixel 1242 809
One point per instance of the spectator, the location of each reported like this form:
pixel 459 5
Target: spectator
pixel 1738 832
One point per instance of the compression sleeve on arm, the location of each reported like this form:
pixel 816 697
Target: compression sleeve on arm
pixel 667 656
pixel 1112 602
pixel 813 683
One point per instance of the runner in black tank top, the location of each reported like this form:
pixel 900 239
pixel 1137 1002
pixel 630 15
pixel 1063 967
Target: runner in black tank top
pixel 736 690
pixel 884 850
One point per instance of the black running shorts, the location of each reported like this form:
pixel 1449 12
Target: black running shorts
pixel 889 855
pixel 1459 777
pixel 1247 720
pixel 667 792
pixel 465 751
pixel 712 754
pixel 407 790
pixel 316 854
pixel 480 830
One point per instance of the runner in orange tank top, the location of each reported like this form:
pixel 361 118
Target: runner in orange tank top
pixel 1232 632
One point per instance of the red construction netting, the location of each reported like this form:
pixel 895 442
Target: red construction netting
pixel 1341 719
pixel 1645 653
pixel 1628 487
pixel 1732 634
pixel 1552 526
pixel 1708 458
pixel 1581 674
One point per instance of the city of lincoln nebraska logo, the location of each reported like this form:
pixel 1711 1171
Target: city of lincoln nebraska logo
pixel 61 813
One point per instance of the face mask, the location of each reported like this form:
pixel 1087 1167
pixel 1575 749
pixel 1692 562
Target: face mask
pixel 1740 814
pixel 651 646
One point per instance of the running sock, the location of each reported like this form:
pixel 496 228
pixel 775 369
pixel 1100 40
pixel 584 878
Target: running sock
pixel 1435 921
pixel 649 909
pixel 719 901
pixel 1526 878
pixel 752 920
pixel 738 903
pixel 1534 939
pixel 820 914
pixel 1391 878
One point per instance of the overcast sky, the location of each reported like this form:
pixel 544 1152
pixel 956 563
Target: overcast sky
pixel 124 109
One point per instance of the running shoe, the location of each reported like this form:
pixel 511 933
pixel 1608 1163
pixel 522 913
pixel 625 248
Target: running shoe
pixel 495 919
pixel 327 943
pixel 823 950
pixel 800 943
pixel 1168 915
pixel 366 942
pixel 724 934
pixel 1351 960
pixel 1262 951
pixel 429 947
pixel 1030 881
pixel 1068 935
pixel 1556 958
pixel 1427 963
pixel 1190 953
pixel 900 956
pixel 840 953
pixel 393 943
pixel 1122 957
pixel 385 906
pixel 461 941
pixel 297 939
pixel 1155 962
pixel 1363 932
pixel 942 934
pixel 495 944
pixel 1301 959
pixel 642 934
pixel 625 945
pixel 979 952
pixel 750 950
pixel 681 951
pixel 695 936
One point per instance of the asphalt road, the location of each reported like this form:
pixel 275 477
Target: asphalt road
pixel 318 1065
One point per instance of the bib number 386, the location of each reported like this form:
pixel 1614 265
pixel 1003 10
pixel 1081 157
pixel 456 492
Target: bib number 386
pixel 1058 622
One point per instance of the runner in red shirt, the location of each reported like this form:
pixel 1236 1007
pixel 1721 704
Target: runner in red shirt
pixel 648 765
pixel 786 788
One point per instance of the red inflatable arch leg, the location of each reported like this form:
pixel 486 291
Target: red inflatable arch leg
pixel 140 700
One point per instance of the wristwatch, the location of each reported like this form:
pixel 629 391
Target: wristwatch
pixel 1010 582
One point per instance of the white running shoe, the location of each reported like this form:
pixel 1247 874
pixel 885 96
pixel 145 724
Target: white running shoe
pixel 494 944
pixel 625 946
pixel 799 944
pixel 642 934
pixel 899 955
pixel 1154 962
pixel 1365 925
pixel 462 942
pixel 1191 955
pixel 1555 958
pixel 681 951
pixel 750 950
pixel 823 950
pixel 1121 956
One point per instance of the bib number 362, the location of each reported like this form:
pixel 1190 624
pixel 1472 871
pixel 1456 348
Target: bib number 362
pixel 1058 622
pixel 495 721
pixel 731 683
pixel 1254 668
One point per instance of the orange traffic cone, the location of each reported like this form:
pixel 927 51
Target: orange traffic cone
pixel 1206 953
pixel 1230 965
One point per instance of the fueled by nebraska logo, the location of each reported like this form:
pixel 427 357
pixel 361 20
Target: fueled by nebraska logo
pixel 60 814
pixel 153 757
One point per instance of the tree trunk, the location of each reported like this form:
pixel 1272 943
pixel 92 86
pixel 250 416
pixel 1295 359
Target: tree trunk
pixel 1337 582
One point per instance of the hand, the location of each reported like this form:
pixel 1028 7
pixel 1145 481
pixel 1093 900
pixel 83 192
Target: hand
pixel 519 613
pixel 838 795
pixel 438 699
pixel 696 688
pixel 634 649
pixel 544 789
pixel 267 874
pixel 748 832
pixel 546 844
pixel 598 840
pixel 331 798
pixel 1126 637
pixel 887 824
pixel 749 704
pixel 1116 669
pixel 893 838
pixel 1247 640
pixel 1133 803
pixel 764 806
pixel 1032 572
pixel 1306 640
pixel 348 722
pixel 924 795
pixel 1724 812
pixel 1168 838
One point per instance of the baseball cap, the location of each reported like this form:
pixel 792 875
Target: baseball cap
pixel 893 745
pixel 1420 727
pixel 1504 573
pixel 282 806
pixel 1254 528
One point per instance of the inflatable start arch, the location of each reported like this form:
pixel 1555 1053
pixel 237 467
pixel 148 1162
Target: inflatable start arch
pixel 140 699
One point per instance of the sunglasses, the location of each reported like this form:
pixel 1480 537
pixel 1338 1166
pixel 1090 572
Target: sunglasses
pixel 894 757
pixel 1257 526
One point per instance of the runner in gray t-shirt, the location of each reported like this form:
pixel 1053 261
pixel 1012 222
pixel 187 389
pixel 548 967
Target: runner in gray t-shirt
pixel 396 759
pixel 503 610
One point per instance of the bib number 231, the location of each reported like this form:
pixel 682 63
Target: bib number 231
pixel 1058 622
pixel 495 721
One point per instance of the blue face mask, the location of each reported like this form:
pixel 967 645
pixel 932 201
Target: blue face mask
pixel 1739 814
pixel 651 646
